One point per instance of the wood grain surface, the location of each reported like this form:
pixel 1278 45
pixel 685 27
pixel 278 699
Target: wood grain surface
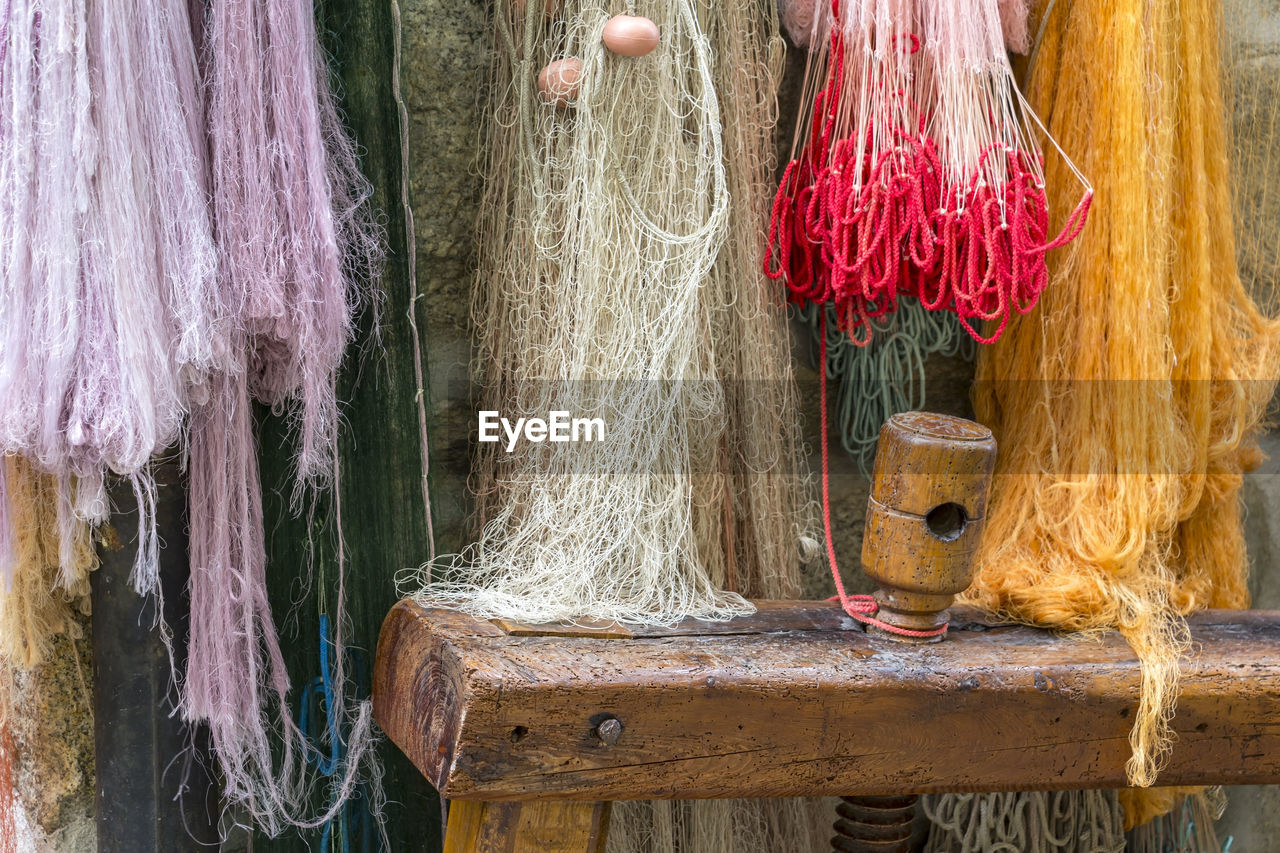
pixel 797 700
pixel 531 827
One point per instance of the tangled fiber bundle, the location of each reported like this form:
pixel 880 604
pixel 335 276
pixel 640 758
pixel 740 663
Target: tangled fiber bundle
pixel 106 251
pixel 171 252
pixel 1025 822
pixel 293 237
pixel 1125 407
pixel 759 826
pixel 1070 822
pixel 806 22
pixel 915 171
pixel 294 230
pixel 41 600
pixel 609 287
pixel 887 375
pixel 1186 827
pixel 764 515
pixel 9 823
pixel 611 227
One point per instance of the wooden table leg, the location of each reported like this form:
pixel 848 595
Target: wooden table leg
pixel 533 826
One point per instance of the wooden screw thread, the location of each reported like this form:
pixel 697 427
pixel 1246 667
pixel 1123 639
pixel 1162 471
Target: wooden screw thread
pixel 874 824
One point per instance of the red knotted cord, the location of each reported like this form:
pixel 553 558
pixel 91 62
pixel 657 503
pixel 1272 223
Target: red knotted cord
pixel 855 226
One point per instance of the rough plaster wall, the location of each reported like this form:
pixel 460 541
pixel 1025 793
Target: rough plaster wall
pixel 1253 813
pixel 446 59
pixel 1253 31
pixel 51 718
pixel 446 62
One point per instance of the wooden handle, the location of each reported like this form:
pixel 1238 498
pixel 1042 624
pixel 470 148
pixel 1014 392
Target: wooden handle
pixel 928 501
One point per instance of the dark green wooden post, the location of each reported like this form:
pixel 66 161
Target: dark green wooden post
pixel 138 744
pixel 380 480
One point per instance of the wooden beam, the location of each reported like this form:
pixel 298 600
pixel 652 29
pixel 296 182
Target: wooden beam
pixel 542 826
pixel 798 701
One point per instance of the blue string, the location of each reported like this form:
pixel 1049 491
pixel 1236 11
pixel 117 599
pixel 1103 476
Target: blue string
pixel 326 676
pixel 318 697
pixel 1175 832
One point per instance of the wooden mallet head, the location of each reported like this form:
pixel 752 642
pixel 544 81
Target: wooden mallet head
pixel 924 516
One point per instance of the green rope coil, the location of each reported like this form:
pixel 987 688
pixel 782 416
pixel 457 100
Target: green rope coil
pixel 887 376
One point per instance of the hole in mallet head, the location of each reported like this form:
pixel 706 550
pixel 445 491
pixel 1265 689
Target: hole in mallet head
pixel 946 521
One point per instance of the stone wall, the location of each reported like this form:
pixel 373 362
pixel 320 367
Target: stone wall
pixel 446 61
pixel 51 722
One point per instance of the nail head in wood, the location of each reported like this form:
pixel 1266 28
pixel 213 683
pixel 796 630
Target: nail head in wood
pixel 609 730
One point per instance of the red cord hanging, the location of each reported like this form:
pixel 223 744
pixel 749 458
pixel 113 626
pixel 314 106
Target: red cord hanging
pixel 914 181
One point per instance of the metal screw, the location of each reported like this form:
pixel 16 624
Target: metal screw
pixel 609 730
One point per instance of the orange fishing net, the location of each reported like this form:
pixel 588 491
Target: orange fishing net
pixel 1125 405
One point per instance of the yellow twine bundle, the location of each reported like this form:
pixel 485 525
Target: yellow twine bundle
pixel 43 600
pixel 1124 406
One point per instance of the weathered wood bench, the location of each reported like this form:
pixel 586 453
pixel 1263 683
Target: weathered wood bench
pixel 796 700
pixel 532 730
